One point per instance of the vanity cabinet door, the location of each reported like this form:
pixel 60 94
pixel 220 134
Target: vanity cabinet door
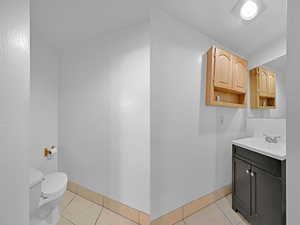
pixel 266 198
pixel 242 185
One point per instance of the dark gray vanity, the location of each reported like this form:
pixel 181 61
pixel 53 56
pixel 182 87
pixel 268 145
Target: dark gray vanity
pixel 258 186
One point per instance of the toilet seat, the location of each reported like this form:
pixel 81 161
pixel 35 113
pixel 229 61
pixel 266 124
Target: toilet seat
pixel 53 186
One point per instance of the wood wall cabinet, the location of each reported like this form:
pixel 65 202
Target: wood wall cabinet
pixel 226 79
pixel 263 88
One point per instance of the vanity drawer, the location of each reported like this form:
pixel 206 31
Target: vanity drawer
pixel 271 165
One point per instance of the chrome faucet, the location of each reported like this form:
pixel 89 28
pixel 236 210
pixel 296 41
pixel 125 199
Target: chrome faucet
pixel 271 139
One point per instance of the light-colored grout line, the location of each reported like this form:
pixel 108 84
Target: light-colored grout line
pixel 70 201
pixel 68 220
pixel 103 207
pixel 225 215
pixel 65 209
pixel 99 216
pixel 68 204
pixel 120 215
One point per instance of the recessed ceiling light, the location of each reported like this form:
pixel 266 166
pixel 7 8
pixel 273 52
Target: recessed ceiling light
pixel 249 10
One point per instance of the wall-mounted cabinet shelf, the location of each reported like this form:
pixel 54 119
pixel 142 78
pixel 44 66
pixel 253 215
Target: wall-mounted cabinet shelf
pixel 263 88
pixel 226 79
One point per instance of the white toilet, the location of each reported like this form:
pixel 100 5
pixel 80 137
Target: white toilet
pixel 45 195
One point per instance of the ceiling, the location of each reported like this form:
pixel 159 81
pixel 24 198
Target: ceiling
pixel 214 18
pixel 62 22
pixel 278 64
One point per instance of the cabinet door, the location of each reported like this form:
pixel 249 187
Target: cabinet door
pixel 223 69
pixel 239 73
pixel 263 82
pixel 272 84
pixel 242 185
pixel 266 195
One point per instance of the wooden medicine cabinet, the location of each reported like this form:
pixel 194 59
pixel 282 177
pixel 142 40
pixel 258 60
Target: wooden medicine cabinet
pixel 263 88
pixel 226 79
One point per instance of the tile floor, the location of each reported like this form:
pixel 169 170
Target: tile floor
pixel 219 213
pixel 79 211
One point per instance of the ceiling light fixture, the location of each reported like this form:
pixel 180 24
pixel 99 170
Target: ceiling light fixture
pixel 249 10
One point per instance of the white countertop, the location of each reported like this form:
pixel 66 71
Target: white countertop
pixel 259 145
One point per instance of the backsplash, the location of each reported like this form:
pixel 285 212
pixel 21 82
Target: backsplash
pixel 274 127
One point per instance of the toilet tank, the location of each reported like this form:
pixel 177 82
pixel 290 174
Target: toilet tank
pixel 35 189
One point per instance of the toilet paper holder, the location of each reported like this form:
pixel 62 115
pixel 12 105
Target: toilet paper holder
pixel 49 152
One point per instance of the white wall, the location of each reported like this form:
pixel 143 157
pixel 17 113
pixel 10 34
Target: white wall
pixel 293 119
pixel 44 68
pixel 269 52
pixel 14 98
pixel 259 127
pixel 104 115
pixel 190 141
pixel 281 98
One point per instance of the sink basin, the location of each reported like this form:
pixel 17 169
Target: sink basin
pixel 259 145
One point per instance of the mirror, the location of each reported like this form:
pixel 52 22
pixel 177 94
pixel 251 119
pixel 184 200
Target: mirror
pixel 278 66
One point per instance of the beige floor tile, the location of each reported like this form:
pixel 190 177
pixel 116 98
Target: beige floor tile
pixel 243 220
pixel 210 215
pixel 63 221
pixel 244 223
pixel 180 223
pixel 229 197
pixel 68 197
pixel 225 206
pixel 82 212
pixel 198 204
pixel 108 217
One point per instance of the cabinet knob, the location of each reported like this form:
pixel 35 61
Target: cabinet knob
pixel 252 174
pixel 247 171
